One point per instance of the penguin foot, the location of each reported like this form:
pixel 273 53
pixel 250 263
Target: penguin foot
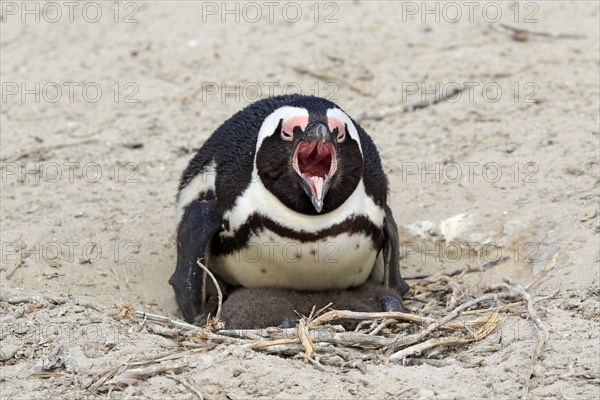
pixel 390 304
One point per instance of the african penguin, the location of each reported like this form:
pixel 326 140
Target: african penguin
pixel 287 193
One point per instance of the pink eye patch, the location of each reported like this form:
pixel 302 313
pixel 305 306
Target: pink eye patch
pixel 335 123
pixel 287 129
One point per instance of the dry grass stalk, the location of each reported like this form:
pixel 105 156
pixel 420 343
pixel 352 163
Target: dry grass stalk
pixel 484 331
pixel 135 375
pixel 543 332
pixel 328 75
pixel 503 307
pixel 159 318
pixel 302 330
pixel 276 342
pixel 108 375
pixel 186 385
pixel 262 333
pixel 381 326
pixel 42 150
pixel 219 293
pixel 345 314
pixel 18 264
pixel 402 341
pixel 523 35
pixel 438 97
pixel 345 339
pixel 168 357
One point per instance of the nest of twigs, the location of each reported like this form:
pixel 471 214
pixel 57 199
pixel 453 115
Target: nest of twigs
pixel 443 315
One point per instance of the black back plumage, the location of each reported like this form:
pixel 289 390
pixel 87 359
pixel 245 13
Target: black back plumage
pixel 375 180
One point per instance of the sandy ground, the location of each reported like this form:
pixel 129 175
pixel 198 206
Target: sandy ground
pixel 89 178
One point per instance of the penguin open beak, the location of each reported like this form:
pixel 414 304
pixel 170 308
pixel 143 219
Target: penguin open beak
pixel 315 162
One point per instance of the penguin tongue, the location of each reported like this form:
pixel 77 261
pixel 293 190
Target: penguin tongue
pixel 317 183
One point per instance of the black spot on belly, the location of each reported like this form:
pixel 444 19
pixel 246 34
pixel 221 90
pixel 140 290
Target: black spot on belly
pixel 298 256
pixel 313 251
pixel 262 270
pixel 357 246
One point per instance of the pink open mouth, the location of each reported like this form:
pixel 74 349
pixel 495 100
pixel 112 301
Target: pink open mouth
pixel 316 162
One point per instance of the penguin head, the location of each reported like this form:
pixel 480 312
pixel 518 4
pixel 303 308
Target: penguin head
pixel 315 160
pixel 309 155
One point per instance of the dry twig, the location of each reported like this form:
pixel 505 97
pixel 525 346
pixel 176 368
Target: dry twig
pixel 345 314
pixel 302 330
pixel 543 332
pixel 134 375
pixel 328 75
pixel 447 341
pixel 401 341
pixel 187 385
pixel 523 35
pixel 441 95
pixel 165 320
pixel 219 293
pixel 43 149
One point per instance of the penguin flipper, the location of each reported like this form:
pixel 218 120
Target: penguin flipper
pixel 200 222
pixel 391 255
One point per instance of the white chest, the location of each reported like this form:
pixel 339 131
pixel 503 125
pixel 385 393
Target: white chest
pixel 270 260
pixel 334 261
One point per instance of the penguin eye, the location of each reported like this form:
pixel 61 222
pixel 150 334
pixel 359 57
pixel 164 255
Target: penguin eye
pixel 292 127
pixel 341 135
pixel 284 132
pixel 337 128
pixel 287 136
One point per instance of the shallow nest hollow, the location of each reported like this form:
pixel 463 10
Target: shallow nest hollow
pixel 443 314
